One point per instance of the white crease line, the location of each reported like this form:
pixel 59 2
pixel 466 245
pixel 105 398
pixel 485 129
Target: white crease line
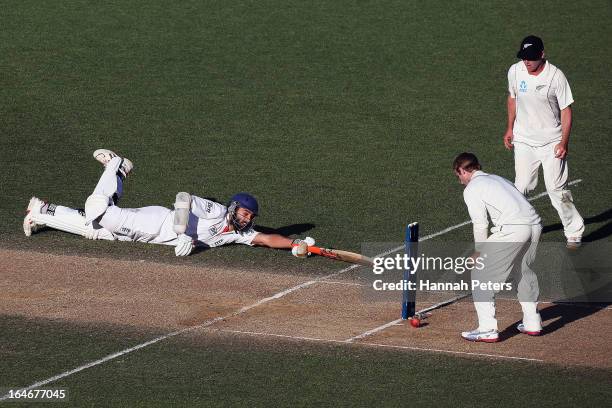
pixel 444 303
pixel 284 336
pixel 430 350
pixel 425 238
pixel 238 312
pixel 375 330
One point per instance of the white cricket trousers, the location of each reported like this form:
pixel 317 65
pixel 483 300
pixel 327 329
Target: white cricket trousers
pixel 527 160
pixel 512 246
pixel 146 224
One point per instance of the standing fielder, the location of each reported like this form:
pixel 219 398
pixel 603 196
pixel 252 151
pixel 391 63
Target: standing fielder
pixel 513 242
pixel 539 125
pixel 194 222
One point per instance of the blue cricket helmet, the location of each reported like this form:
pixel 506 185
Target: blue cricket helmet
pixel 246 200
pixel 242 200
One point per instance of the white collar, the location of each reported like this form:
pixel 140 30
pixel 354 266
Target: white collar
pixel 479 173
pixel 524 68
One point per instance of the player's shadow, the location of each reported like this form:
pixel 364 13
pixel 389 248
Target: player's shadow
pixel 294 229
pixel 595 296
pixel 558 316
pixel 600 233
pixel 568 310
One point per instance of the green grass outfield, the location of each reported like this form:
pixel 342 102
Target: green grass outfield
pixel 344 116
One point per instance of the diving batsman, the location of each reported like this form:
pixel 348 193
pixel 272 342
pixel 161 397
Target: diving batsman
pixel 194 221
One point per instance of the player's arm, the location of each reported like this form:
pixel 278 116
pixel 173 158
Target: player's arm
pixel 509 135
pixel 299 247
pixel 564 96
pixel 566 128
pixel 272 241
pixel 478 214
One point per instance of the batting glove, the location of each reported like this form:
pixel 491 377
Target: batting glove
pixel 308 240
pixel 300 250
pixel 300 247
pixel 184 245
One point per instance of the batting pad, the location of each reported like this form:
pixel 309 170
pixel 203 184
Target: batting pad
pixel 69 220
pixel 181 213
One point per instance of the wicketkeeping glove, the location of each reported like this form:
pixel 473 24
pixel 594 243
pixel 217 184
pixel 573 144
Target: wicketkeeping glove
pixel 184 245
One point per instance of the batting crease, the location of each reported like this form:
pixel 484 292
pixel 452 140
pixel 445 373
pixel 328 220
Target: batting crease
pixel 315 339
pixel 256 304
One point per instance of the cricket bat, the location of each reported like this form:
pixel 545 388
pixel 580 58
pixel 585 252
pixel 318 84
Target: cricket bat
pixel 346 256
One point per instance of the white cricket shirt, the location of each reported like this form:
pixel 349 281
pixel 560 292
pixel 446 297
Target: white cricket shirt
pixel 539 101
pixel 207 225
pixel 488 193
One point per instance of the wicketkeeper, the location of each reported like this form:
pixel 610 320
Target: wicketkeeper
pixel 512 243
pixel 195 221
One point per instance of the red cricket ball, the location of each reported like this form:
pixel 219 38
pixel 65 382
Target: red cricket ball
pixel 415 322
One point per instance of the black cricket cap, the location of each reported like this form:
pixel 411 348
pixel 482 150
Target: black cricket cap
pixel 531 48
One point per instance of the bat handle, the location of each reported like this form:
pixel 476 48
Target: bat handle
pixel 314 250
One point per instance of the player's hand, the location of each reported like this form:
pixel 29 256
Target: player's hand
pixel 561 151
pixel 299 247
pixel 508 137
pixel 308 240
pixel 184 245
pixel 300 250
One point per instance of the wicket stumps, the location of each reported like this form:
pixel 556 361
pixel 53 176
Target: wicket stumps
pixel 411 247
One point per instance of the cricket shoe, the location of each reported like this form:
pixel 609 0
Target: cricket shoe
pixel 489 336
pixel 574 243
pixel 29 225
pixel 521 328
pixel 104 156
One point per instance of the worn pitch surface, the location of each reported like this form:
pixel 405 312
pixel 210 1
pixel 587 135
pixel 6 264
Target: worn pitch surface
pixel 165 298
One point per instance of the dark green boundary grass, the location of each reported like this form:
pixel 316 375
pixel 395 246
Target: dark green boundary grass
pixel 226 370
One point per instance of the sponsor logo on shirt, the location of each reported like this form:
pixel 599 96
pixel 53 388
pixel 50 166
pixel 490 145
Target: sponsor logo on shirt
pixel 51 209
pixel 125 230
pixel 209 207
pixel 213 230
pixel 523 86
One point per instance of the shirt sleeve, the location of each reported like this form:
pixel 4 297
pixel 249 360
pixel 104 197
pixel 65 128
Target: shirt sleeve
pixel 563 91
pixel 478 214
pixel 247 237
pixel 512 81
pixel 203 208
